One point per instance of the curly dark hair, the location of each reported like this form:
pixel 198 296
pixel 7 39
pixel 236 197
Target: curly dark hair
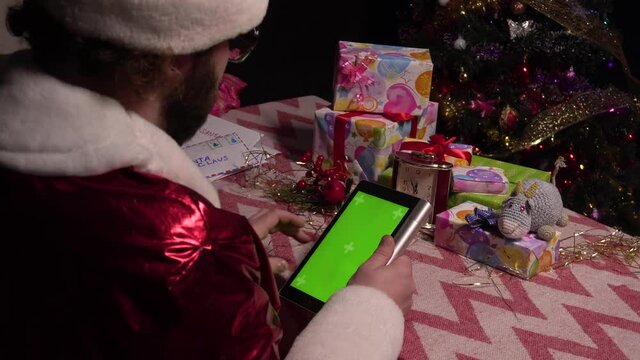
pixel 54 46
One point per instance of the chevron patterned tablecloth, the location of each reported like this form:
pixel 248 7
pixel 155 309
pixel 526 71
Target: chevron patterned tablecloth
pixel 586 310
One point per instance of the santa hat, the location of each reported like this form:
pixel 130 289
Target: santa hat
pixel 159 26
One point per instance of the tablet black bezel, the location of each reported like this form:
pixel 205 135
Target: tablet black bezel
pixel 311 303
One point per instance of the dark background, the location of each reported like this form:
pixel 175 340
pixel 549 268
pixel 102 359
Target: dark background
pixel 298 43
pixel 295 55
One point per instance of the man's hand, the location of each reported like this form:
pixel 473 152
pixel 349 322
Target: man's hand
pixel 266 222
pixel 395 279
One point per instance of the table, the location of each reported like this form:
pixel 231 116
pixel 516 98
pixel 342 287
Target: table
pixel 588 310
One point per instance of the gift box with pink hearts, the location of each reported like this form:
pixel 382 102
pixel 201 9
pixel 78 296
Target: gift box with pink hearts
pixel 469 229
pixel 365 141
pixel 382 79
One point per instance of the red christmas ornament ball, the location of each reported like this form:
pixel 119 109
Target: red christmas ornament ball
pixel 301 184
pixel 306 157
pixel 508 118
pixel 518 8
pixel 334 192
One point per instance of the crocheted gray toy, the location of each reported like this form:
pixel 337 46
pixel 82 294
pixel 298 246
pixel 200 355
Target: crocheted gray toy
pixel 536 209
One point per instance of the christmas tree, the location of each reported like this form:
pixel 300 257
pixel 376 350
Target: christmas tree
pixel 528 81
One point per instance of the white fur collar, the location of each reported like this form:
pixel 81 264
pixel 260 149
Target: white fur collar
pixel 50 128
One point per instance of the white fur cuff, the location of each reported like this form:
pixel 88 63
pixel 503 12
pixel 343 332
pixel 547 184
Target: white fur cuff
pixel 358 322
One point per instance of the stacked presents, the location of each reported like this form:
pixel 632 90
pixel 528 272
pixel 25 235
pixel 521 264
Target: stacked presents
pixel 495 211
pixel 382 116
pixel 381 98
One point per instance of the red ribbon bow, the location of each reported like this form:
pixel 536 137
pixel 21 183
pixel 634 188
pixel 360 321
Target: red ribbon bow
pixel 438 145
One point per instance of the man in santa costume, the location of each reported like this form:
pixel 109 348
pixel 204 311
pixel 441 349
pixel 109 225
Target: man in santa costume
pixel 114 243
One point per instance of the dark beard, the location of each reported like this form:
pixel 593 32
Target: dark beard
pixel 188 106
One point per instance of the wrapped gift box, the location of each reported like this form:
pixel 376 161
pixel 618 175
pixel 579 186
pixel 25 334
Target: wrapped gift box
pixel 514 174
pixel 479 179
pixel 457 161
pixel 366 140
pixel 443 149
pixel 382 79
pixel 524 257
pixel 428 121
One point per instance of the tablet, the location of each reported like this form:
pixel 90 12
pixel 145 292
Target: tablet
pixel 370 212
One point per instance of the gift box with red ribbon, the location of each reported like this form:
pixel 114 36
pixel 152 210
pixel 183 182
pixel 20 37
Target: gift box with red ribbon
pixel 444 149
pixel 382 79
pixel 365 141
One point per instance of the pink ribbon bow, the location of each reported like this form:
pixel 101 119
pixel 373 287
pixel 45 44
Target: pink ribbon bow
pixel 354 72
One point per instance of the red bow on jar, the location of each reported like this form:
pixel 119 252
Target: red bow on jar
pixel 438 145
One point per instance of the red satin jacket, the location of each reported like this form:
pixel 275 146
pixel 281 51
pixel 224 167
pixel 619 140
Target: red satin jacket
pixel 127 265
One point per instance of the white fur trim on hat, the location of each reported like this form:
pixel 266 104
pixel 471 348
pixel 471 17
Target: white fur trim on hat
pixel 159 26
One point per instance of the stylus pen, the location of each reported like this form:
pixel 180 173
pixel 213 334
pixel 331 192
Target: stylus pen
pixel 406 235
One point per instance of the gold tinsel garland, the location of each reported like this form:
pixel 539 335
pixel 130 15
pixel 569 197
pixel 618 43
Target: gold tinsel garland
pixel 582 106
pixel 579 108
pixel 616 245
pixel 584 25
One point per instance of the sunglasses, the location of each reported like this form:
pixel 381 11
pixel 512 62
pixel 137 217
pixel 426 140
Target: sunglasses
pixel 241 46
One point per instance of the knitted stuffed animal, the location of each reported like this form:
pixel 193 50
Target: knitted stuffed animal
pixel 534 205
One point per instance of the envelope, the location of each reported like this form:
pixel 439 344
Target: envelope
pixel 221 148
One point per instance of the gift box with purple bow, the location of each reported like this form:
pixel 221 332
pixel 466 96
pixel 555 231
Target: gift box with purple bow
pixel 470 229
pixel 382 79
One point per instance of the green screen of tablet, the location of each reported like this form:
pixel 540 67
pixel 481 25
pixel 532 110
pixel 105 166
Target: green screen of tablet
pixel 349 243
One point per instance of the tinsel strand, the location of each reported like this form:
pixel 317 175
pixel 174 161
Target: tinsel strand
pixel 584 25
pixel 579 108
pixel 616 245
